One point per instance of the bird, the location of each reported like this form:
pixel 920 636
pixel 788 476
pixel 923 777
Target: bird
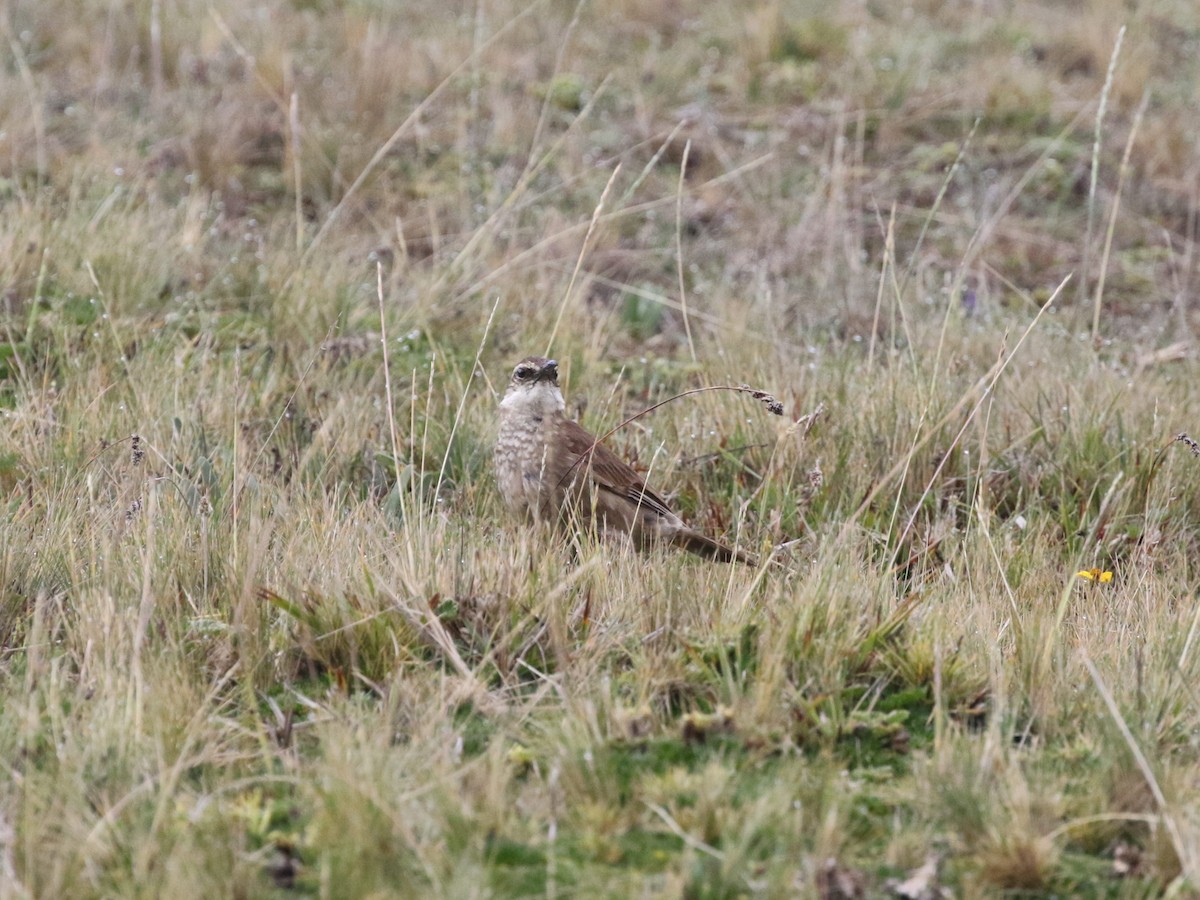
pixel 550 468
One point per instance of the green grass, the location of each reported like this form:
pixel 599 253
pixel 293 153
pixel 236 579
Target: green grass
pixel 265 628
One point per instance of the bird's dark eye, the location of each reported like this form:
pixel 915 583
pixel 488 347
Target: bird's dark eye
pixel 523 373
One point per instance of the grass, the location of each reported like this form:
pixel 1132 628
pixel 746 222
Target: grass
pixel 264 627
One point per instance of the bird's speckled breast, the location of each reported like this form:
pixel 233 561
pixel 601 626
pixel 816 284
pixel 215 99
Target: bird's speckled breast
pixel 520 457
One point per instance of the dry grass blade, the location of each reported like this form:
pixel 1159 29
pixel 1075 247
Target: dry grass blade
pixel 1093 179
pixel 1122 174
pixel 1185 851
pixel 583 251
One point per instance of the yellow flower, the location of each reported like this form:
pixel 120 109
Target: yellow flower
pixel 520 757
pixel 1095 575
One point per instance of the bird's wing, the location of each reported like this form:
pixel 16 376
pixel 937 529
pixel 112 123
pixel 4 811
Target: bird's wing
pixel 608 471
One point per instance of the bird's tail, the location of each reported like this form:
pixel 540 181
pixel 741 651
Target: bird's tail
pixel 695 542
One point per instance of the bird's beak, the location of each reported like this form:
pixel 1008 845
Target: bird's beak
pixel 549 371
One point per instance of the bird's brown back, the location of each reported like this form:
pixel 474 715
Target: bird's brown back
pixel 580 456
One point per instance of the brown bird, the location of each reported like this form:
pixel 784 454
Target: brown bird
pixel 550 468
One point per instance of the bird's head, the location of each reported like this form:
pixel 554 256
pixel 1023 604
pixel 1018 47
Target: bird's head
pixel 534 382
pixel 533 371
